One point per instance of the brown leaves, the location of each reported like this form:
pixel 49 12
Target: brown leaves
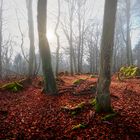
pixel 32 115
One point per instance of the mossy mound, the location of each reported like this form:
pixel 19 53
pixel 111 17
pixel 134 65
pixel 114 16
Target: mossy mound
pixel 74 110
pixel 78 81
pixel 13 86
pixel 128 72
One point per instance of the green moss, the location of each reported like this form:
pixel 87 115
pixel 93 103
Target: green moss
pixel 78 126
pixel 74 110
pixel 93 102
pixel 109 116
pixel 97 107
pixel 78 108
pixel 79 81
pixel 128 72
pixel 81 105
pixel 14 89
pixel 92 76
pixel 19 85
pixel 13 86
pixel 73 113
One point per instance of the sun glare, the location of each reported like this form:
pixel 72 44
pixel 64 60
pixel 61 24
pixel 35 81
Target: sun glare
pixel 50 35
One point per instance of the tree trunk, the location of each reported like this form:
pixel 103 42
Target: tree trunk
pixel 82 52
pixel 74 60
pixel 71 46
pixel 103 102
pixel 49 80
pixel 128 38
pixel 31 38
pixel 58 40
pixel 1 11
pixel 79 40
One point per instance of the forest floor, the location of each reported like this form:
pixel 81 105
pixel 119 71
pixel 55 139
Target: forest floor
pixel 30 114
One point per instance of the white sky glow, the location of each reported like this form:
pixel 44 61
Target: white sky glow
pixel 11 27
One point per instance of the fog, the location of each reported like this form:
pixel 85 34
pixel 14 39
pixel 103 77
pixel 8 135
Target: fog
pixel 15 15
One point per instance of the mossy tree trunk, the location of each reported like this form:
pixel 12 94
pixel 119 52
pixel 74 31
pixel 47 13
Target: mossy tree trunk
pixel 103 102
pixel 49 80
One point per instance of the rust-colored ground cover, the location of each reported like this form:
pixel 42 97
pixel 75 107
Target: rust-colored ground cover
pixel 30 114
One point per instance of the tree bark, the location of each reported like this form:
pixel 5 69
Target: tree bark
pixel 58 40
pixel 31 38
pixel 128 38
pixel 103 102
pixel 49 80
pixel 79 40
pixel 1 12
pixel 71 41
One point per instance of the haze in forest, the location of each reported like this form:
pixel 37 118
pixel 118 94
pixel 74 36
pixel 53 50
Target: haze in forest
pixel 15 12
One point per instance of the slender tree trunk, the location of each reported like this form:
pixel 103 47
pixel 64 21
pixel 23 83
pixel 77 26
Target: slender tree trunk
pixel 128 38
pixel 82 51
pixel 114 59
pixel 31 38
pixel 91 53
pixel 1 12
pixel 71 47
pixel 96 52
pixel 103 102
pixel 74 60
pixel 49 80
pixel 90 59
pixel 71 12
pixel 72 52
pixel 79 41
pixel 58 40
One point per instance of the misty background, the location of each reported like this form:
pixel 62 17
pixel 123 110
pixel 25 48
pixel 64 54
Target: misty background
pixel 91 16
